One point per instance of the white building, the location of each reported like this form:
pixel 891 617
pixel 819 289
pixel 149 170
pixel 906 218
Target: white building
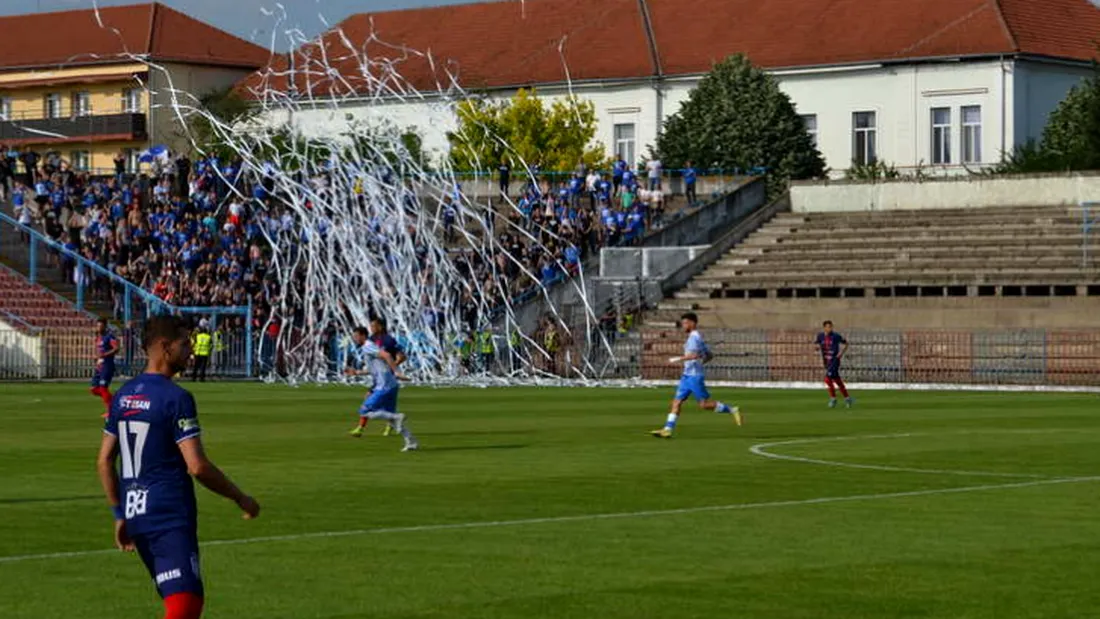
pixel 941 84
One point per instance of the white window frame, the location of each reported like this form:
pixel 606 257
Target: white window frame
pixel 6 108
pixel 80 160
pixel 625 146
pixel 809 123
pixel 82 103
pixel 971 141
pixel 867 152
pixel 940 147
pixel 52 100
pixel 131 101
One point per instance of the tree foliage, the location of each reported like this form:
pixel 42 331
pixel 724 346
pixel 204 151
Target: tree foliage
pixel 1071 138
pixel 737 117
pixel 225 107
pixel 525 130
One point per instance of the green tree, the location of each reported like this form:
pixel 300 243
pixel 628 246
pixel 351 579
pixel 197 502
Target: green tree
pixel 738 118
pixel 525 130
pixel 216 115
pixel 1071 138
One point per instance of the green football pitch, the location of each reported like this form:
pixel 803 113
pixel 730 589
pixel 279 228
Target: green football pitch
pixel 556 503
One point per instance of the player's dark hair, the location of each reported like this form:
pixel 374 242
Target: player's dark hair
pixel 692 316
pixel 827 323
pixel 103 321
pixel 163 327
pixel 381 322
pixel 362 331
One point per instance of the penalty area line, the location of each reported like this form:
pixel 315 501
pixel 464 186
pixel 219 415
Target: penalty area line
pixel 582 518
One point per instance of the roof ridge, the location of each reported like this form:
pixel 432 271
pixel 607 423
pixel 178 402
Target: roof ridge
pixel 1004 24
pixel 152 37
pixel 956 22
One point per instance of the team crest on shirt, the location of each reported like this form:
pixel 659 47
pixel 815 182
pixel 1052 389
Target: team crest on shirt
pixel 188 424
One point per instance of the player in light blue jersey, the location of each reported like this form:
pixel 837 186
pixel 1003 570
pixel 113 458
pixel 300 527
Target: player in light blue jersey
pixel 692 381
pixel 381 403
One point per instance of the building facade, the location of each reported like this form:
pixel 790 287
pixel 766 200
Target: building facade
pixel 108 89
pixel 942 86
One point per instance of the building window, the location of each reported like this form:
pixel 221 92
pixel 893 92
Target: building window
pixel 971 133
pixel 131 101
pixel 82 104
pixel 5 108
pixel 864 149
pixel 52 105
pixel 80 160
pixel 133 162
pixel 941 135
pixel 624 142
pixel 809 121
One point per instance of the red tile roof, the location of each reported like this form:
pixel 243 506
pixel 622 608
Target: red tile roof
pixel 160 33
pixel 514 42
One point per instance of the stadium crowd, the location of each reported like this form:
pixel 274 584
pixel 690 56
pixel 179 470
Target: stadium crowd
pixel 185 231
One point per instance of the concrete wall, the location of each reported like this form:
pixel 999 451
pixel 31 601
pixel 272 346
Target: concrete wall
pixel 22 355
pixel 191 82
pixel 962 192
pixel 906 313
pixel 646 263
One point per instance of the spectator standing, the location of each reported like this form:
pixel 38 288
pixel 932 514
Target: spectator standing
pixel 120 167
pixel 653 166
pixel 690 176
pixel 505 172
pixel 29 158
pixel 617 173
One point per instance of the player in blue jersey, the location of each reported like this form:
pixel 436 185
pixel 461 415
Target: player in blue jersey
pixel 381 402
pixel 106 347
pixel 692 383
pixel 386 342
pixel 152 434
pixel 832 346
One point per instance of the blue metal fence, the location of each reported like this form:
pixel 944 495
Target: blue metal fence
pixel 130 304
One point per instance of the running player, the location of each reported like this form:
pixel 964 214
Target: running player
pixel 386 342
pixel 381 403
pixel 154 430
pixel 832 346
pixel 106 347
pixel 692 382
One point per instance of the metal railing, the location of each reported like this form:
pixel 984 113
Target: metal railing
pixel 981 357
pixel 45 354
pixel 130 304
pixel 46 129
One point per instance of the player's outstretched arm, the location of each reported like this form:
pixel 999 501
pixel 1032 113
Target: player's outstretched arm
pixel 105 466
pixel 210 476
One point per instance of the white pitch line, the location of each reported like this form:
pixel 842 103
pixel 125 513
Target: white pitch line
pixel 761 450
pixel 582 518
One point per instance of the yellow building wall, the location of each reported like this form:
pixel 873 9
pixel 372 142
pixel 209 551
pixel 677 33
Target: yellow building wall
pixel 105 98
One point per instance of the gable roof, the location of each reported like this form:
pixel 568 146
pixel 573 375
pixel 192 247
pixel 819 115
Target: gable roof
pixel 153 31
pixel 526 42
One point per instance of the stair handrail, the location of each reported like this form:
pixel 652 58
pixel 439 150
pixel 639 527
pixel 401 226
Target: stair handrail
pixel 129 286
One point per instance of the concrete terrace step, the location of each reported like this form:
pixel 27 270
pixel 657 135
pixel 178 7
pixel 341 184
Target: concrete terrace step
pixel 964 238
pixel 921 214
pixel 778 265
pixel 760 254
pixel 873 280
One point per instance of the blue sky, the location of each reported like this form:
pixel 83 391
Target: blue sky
pixel 244 18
